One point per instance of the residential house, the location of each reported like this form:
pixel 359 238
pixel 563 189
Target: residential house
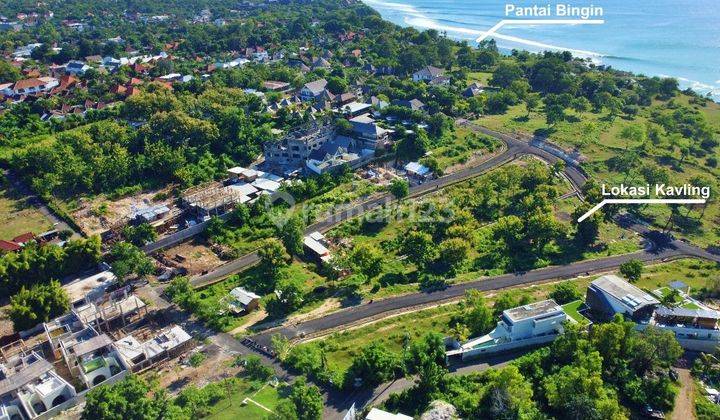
pixel 610 295
pixel 313 90
pixel 243 301
pixel 524 326
pixel 76 68
pixel 378 414
pixel 473 90
pixel 695 325
pixel 414 104
pixel 30 387
pixel 17 242
pixel 295 147
pixel 320 63
pixel 336 154
pixel 31 86
pixel 353 109
pixel 93 358
pixel 440 81
pixel 166 344
pixel 368 134
pixel 417 171
pixel 427 74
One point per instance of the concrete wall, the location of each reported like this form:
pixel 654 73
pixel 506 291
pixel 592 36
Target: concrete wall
pixel 500 348
pixel 79 398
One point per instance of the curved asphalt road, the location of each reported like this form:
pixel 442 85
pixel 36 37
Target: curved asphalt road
pixel 358 314
pixel 514 149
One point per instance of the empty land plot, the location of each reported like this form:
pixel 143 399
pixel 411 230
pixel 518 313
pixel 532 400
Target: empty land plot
pixel 19 215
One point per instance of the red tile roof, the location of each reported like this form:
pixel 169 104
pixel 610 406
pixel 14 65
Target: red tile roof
pixel 8 246
pixel 25 237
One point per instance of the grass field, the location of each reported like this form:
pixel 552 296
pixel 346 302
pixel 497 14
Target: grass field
pixel 572 310
pixel 599 139
pixel 400 275
pixel 18 216
pixel 214 295
pixel 237 407
pixel 394 332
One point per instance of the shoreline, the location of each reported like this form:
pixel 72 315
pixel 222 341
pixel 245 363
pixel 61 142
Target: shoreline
pixel 412 17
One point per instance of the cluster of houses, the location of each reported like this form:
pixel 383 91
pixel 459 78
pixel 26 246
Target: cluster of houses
pixel 693 323
pixel 105 336
pixel 319 147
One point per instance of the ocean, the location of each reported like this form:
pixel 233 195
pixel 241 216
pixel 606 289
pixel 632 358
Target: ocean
pixel 669 38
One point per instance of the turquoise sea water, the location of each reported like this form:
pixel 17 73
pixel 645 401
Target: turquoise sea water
pixel 677 38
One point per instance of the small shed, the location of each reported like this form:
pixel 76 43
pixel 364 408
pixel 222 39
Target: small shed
pixel 242 300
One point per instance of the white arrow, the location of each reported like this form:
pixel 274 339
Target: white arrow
pixel 641 201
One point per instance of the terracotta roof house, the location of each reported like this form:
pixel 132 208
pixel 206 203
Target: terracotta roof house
pixel 9 246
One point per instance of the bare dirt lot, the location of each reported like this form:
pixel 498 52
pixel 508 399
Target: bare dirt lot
pixel 98 214
pixel 196 256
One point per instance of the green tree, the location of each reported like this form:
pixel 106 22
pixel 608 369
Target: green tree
pixel 587 232
pixel 273 258
pixel 9 73
pixel 366 259
pixel 127 399
pixel 374 364
pixel 40 303
pixel 399 188
pixel 291 234
pixel 139 235
pixel 453 253
pixel 307 399
pixel 505 73
pixel 632 269
pixel 128 260
pixel 477 315
pixel 565 292
pixel 575 392
pixel 420 248
pixel 506 395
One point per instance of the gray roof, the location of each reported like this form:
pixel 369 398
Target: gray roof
pixel 532 310
pixel 687 313
pixel 243 296
pixel 623 291
pixel 317 86
pixel 431 71
pixel 95 343
pixel 27 374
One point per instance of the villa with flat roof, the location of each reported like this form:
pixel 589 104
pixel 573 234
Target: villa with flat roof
pixel 29 387
pixel 92 357
pixel 528 325
pixel 610 295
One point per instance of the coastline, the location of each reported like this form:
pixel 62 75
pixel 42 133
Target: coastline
pixel 409 15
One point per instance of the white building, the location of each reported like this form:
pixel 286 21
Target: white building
pixel 427 74
pixel 92 357
pixel 533 324
pixel 29 387
pixel 316 244
pixel 241 300
pixel 378 414
pixel 610 295
pixel 76 68
pixel 312 90
pixel 166 344
pixel 30 86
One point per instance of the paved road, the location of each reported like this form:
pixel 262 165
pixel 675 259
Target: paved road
pixel 362 313
pixel 514 149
